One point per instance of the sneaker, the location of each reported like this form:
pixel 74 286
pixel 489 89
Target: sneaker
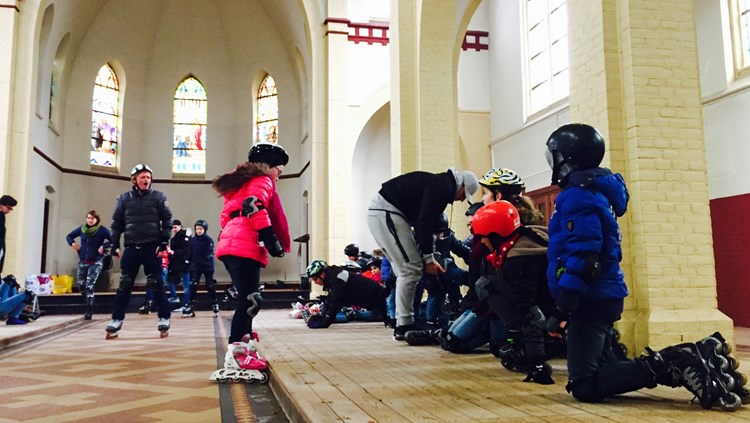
pixel 14 321
pixel 174 300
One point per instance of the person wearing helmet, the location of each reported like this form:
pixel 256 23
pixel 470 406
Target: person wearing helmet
pixel 345 289
pixel 143 216
pixel 253 225
pixel 515 287
pixel 417 200
pixel 351 252
pixel 588 285
pixel 505 184
pixel 373 270
pixel 202 261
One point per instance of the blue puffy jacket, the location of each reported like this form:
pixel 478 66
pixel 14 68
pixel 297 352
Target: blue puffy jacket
pixel 585 221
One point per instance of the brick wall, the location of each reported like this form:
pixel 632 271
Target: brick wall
pixel 732 255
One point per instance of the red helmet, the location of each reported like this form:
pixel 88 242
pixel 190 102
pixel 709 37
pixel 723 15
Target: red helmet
pixel 499 217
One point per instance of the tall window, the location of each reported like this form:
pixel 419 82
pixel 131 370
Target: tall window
pixel 190 118
pixel 267 126
pixel 105 119
pixel 740 15
pixel 547 52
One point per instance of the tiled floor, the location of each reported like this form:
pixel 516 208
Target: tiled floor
pixel 350 372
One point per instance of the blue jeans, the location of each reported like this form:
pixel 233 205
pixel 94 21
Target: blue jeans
pixel 390 304
pixel 474 330
pixel 11 302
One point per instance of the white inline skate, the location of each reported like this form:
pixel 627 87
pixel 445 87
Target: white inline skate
pixel 112 328
pixel 242 363
pixel 163 327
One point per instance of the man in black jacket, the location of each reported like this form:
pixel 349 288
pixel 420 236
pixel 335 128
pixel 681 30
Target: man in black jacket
pixel 345 289
pixel 417 200
pixel 143 216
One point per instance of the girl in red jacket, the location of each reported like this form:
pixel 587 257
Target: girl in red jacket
pixel 253 225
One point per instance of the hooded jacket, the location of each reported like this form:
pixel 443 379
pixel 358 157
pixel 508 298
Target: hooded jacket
pixel 239 235
pixel 421 197
pixel 585 221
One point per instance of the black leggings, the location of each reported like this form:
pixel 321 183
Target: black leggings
pixel 245 274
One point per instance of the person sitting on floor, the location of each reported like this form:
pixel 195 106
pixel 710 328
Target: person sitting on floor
pixel 345 289
pixel 12 302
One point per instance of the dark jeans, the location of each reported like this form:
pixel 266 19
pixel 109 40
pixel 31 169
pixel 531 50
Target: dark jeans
pixel 132 259
pixel 245 274
pixel 594 372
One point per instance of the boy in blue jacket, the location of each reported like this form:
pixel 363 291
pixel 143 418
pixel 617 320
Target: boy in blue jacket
pixel 585 278
pixel 202 262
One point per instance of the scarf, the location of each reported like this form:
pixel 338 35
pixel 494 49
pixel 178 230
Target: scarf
pixel 89 231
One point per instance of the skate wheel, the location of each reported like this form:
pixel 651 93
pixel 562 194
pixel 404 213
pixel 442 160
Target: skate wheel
pixel 110 336
pixel 264 378
pixel 616 334
pixel 163 334
pixel 740 379
pixel 223 380
pixel 236 380
pixel 733 362
pixel 730 402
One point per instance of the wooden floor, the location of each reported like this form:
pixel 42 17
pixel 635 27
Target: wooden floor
pixel 351 372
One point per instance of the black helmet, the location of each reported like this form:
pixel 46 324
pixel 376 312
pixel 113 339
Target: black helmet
pixel 375 261
pixel 351 250
pixel 441 225
pixel 201 222
pixel 577 145
pixel 265 152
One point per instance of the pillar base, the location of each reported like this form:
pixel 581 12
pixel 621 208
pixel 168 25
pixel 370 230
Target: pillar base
pixel 661 328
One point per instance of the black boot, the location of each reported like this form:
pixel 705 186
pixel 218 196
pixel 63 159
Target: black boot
pixel 423 337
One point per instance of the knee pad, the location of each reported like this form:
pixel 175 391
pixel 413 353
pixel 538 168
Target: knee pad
pixel 255 303
pixel 153 282
pixel 126 282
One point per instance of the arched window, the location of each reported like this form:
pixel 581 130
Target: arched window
pixel 190 118
pixel 105 119
pixel 267 127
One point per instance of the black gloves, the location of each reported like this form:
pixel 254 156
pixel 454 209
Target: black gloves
pixel 268 238
pixel 556 319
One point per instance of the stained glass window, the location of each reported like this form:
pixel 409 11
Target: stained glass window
pixel 105 119
pixel 267 128
pixel 190 118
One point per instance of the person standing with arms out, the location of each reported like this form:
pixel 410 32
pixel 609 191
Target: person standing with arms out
pixel 202 261
pixel 415 199
pixel 95 238
pixel 142 214
pixel 6 206
pixel 253 225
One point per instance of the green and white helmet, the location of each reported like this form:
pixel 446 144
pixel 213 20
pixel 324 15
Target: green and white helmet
pixel 314 268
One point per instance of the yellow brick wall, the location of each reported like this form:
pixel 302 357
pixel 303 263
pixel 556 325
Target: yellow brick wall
pixel 634 76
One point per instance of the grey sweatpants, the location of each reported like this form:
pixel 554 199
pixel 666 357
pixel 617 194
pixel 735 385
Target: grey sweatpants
pixel 394 236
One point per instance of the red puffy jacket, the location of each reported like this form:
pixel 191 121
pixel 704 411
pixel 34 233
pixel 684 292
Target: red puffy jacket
pixel 239 236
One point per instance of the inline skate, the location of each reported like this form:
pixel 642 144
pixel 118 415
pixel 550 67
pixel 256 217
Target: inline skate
pixel 242 363
pixel 683 365
pixel 112 328
pixel 718 353
pixel 163 327
pixel 215 308
pixel 146 307
pixel 187 311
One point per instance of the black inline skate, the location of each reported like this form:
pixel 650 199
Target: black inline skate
pixel 718 353
pixel 683 365
pixel 423 337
